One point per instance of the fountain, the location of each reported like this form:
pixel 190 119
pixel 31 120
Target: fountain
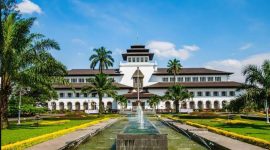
pixel 140 133
pixel 140 116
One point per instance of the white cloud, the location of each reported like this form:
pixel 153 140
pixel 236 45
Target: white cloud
pixel 78 41
pixel 236 66
pixel 246 46
pixel 168 49
pixel 28 7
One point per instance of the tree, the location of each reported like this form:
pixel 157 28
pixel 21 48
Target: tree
pixel 177 93
pixel 101 85
pixel 102 58
pixel 122 100
pixel 26 61
pixel 174 66
pixel 154 101
pixel 258 81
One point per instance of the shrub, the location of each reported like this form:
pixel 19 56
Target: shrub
pixel 53 122
pixel 35 140
pixel 248 139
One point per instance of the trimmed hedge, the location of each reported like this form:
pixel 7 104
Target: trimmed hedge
pixel 35 140
pixel 248 139
pixel 253 118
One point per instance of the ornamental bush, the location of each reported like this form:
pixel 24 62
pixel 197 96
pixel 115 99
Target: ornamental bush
pixel 35 140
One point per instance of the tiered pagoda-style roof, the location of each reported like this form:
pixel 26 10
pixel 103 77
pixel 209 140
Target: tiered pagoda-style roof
pixel 137 50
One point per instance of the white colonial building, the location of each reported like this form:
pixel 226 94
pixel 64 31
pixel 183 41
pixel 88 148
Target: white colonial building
pixel 212 89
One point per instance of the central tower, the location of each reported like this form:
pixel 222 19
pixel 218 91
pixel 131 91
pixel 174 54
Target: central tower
pixel 137 56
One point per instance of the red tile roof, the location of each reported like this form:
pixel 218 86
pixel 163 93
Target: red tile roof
pixel 134 95
pixel 228 84
pixel 86 72
pixel 81 85
pixel 192 71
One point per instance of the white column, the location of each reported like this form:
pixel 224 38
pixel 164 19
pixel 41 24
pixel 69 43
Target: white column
pixel 187 103
pixel 57 105
pixel 196 105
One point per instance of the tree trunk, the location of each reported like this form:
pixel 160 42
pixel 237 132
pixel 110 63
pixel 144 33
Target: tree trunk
pixel 266 109
pixel 177 106
pixel 100 109
pixel 4 110
pixel 174 76
pixel 4 95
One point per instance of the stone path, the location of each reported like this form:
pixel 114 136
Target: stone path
pixel 60 142
pixel 227 142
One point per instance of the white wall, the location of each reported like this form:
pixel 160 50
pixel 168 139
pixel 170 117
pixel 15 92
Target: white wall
pixel 147 68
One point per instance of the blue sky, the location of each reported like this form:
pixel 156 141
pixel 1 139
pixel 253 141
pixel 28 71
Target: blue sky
pixel 219 34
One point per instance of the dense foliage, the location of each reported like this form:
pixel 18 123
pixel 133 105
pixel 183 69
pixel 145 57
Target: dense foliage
pixel 101 85
pixel 26 62
pixel 174 67
pixel 177 94
pixel 103 58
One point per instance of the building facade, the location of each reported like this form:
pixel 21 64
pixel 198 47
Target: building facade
pixel 212 89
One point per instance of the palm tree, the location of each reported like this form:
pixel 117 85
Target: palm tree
pixel 102 58
pixel 177 93
pixel 26 61
pixel 154 101
pixel 100 85
pixel 258 81
pixel 122 100
pixel 174 66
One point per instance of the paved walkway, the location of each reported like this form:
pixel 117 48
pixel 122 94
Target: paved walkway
pixel 227 142
pixel 61 141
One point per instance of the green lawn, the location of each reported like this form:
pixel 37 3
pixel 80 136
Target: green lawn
pixel 26 130
pixel 258 129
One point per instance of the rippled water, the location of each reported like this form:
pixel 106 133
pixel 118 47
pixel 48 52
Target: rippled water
pixel 105 140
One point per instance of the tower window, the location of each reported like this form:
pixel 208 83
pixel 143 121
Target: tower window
pixel 180 79
pixel 195 79
pixel 202 79
pixel 187 79
pixel 146 59
pixel 210 79
pixel 129 59
pixel 218 79
pixel 138 59
pixel 74 80
pixel 165 79
pixel 133 59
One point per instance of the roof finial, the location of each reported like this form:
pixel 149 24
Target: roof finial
pixel 137 38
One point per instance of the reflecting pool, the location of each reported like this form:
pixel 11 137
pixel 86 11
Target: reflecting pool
pixel 105 140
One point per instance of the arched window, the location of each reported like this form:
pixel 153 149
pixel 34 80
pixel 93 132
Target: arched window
pixel 77 106
pixel 109 105
pixel 208 105
pixel 167 105
pixel 192 105
pixel 85 106
pixel 53 105
pixel 62 106
pixel 69 106
pixel 216 104
pixel 200 104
